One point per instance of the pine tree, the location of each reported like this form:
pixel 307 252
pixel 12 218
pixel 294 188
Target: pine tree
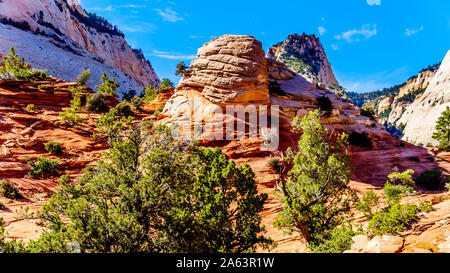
pixel 182 69
pixel 166 84
pixel 442 133
pixel 316 193
pixel 151 193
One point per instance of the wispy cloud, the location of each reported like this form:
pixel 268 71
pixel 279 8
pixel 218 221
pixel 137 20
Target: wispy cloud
pixel 108 8
pixel 169 15
pixel 374 2
pixel 335 47
pixel 171 55
pixel 113 8
pixel 322 30
pixel 354 35
pixel 411 32
pixel 132 6
pixel 140 27
pixel 196 37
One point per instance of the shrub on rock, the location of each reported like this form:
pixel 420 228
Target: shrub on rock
pixel 97 103
pixel 8 190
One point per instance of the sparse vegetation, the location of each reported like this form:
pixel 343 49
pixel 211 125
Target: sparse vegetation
pixel 54 148
pixel 432 180
pixel 447 186
pixel 411 97
pixel 166 84
pixel 368 204
pixel 84 77
pixel 111 124
pixel 70 117
pixel 274 163
pixel 137 102
pixel 402 178
pixel 16 68
pixel 77 92
pixel 31 107
pixel 158 111
pixel 325 105
pixel 8 190
pixel 337 240
pixel 150 93
pixel 386 113
pixel 108 86
pixel 360 139
pixel 368 111
pixel 43 166
pixel 129 95
pixel 393 217
pixel 97 103
pixel 124 109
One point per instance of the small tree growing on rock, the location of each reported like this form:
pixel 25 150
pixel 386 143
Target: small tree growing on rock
pixel 182 69
pixel 108 86
pixel 166 84
pixel 84 77
pixel 316 193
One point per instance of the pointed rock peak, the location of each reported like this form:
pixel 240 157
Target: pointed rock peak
pixel 305 55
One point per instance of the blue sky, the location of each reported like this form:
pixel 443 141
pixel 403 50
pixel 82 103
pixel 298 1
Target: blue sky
pixel 370 44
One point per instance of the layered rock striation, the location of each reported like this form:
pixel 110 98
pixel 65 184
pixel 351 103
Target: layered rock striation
pixel 233 71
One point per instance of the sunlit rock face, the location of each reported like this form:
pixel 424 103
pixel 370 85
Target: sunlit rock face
pixel 81 40
pixel 424 112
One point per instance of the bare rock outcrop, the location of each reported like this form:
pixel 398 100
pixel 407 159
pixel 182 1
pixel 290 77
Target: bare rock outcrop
pixel 229 69
pixel 424 112
pixel 232 70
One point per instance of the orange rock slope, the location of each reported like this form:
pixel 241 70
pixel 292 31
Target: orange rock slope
pixel 22 138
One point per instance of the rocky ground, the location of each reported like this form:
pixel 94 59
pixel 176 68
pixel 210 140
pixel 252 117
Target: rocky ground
pixel 23 137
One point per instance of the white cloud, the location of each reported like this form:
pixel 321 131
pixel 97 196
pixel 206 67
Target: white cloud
pixel 351 36
pixel 133 6
pixel 374 2
pixel 196 37
pixel 335 47
pixel 169 15
pixel 139 28
pixel 108 8
pixel 411 32
pixel 322 30
pixel 113 8
pixel 172 56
